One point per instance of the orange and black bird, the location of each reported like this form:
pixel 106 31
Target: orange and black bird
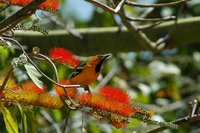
pixel 88 72
pixel 84 75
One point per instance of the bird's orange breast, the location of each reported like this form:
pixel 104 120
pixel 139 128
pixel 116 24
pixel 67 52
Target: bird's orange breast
pixel 86 77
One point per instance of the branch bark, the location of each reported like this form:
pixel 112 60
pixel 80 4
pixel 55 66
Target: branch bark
pixel 109 40
pixel 21 14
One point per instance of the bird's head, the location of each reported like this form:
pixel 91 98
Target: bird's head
pixel 97 61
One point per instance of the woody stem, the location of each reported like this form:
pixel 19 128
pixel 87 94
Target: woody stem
pixel 6 79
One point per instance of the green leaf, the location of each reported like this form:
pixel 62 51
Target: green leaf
pixel 31 119
pixel 10 121
pixel 34 74
pixel 24 120
pixel 4 53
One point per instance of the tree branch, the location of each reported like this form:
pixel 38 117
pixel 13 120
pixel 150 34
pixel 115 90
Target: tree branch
pixel 130 3
pixel 108 40
pixel 180 121
pixel 15 18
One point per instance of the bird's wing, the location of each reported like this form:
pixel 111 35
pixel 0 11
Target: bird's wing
pixel 77 71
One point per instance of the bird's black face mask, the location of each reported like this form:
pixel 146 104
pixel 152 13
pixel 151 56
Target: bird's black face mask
pixel 103 58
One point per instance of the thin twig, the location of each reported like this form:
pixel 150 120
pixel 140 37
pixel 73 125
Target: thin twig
pixel 49 61
pixel 130 3
pixel 193 107
pixel 188 119
pixel 149 26
pixel 6 79
pixel 172 31
pixel 151 19
pixel 141 37
pixel 180 121
pixel 107 8
pixel 9 35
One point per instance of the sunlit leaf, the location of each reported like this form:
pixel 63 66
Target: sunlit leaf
pixel 34 75
pixel 4 53
pixel 10 121
pixel 19 74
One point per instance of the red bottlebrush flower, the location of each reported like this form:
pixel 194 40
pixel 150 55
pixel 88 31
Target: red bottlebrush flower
pixel 110 103
pixel 62 55
pixel 33 98
pixel 115 94
pixel 70 91
pixel 51 5
pixel 100 102
pixel 30 86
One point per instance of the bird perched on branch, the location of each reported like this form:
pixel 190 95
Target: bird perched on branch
pixel 88 73
pixel 84 75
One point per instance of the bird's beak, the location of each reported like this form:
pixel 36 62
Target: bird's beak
pixel 105 56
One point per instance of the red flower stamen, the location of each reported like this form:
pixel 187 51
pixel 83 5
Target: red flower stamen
pixel 51 5
pixel 62 55
pixel 110 103
pixel 30 86
pixel 115 94
pixel 97 101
